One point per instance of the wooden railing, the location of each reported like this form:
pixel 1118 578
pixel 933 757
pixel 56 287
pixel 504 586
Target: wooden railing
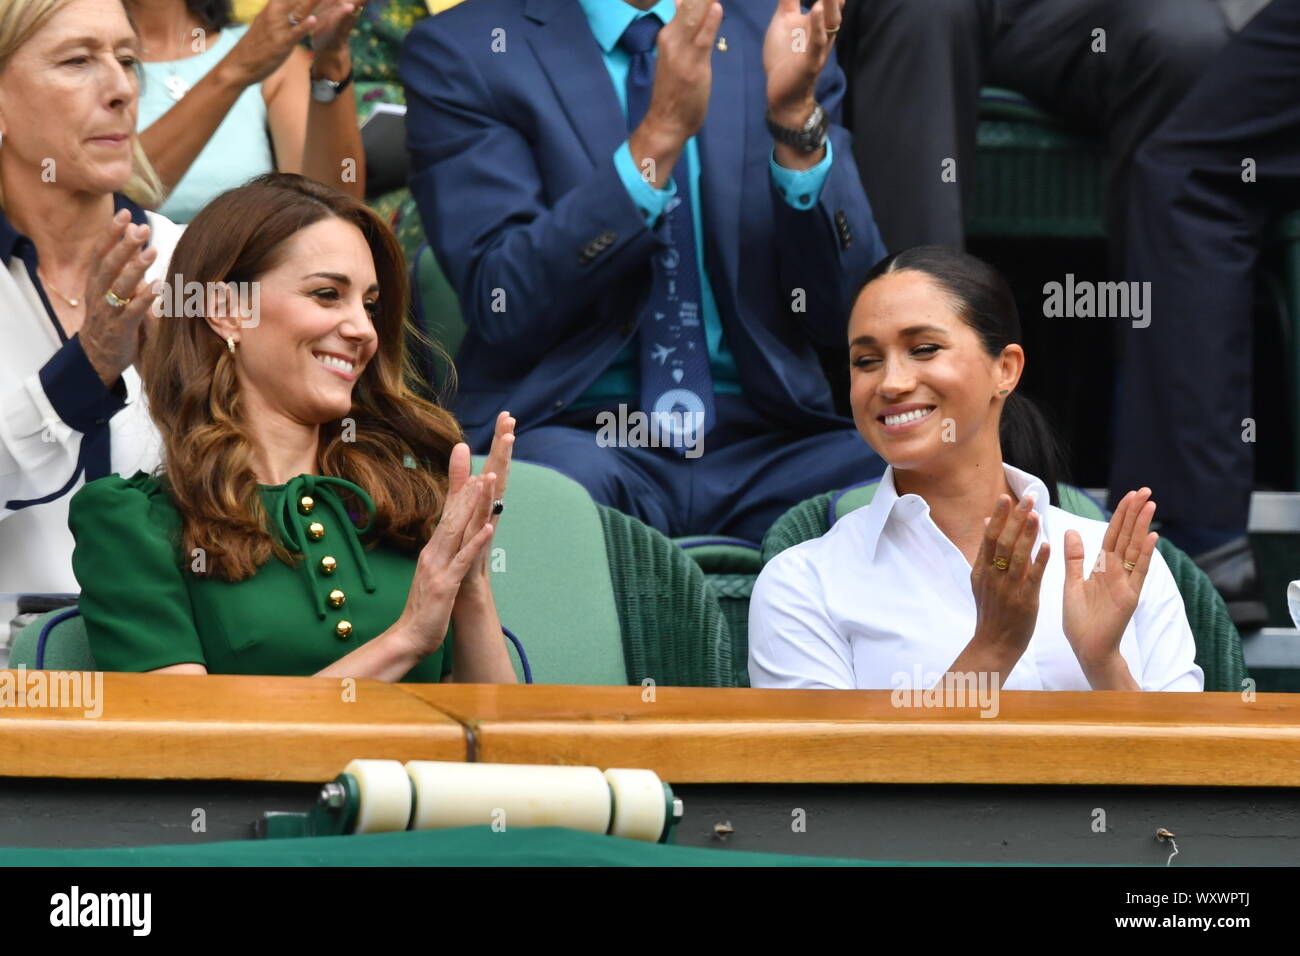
pixel 307 729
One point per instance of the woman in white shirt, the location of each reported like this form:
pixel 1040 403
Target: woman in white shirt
pixel 77 256
pixel 961 564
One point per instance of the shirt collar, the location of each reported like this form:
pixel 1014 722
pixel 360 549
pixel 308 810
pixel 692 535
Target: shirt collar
pixel 138 215
pixel 609 18
pixel 887 504
pixel 11 239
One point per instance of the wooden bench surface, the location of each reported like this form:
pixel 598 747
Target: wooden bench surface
pixel 303 729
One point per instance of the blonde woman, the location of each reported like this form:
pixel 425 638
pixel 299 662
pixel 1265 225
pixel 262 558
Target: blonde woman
pixel 77 247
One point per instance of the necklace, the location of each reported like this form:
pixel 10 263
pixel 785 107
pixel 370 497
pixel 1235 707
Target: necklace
pixel 72 302
pixel 177 86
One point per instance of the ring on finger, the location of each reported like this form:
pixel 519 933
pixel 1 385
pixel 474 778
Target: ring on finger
pixel 294 19
pixel 117 301
pixel 498 506
pixel 1001 563
pixel 1130 565
pixel 832 32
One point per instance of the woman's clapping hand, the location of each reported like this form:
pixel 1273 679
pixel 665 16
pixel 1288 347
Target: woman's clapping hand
pixel 1097 609
pixel 112 335
pixel 1006 580
pixel 458 542
pixel 476 583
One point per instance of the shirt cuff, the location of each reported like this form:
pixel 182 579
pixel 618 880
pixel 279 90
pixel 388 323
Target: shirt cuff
pixel 76 391
pixel 650 201
pixel 801 188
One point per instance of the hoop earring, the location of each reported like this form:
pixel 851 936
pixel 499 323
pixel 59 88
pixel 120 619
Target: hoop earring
pixel 230 343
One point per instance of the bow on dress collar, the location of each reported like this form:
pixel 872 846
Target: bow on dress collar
pixel 288 522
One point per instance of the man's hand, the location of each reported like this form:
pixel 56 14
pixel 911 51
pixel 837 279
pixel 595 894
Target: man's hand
pixel 795 50
pixel 680 99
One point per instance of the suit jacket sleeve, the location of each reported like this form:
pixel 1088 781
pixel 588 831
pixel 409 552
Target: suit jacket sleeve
pixel 524 270
pixel 828 249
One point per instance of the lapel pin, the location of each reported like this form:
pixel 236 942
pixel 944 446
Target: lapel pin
pixel 722 44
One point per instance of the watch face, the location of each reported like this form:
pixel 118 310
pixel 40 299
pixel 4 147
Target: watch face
pixel 323 90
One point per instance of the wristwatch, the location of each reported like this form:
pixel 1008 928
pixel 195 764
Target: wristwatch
pixel 809 139
pixel 327 91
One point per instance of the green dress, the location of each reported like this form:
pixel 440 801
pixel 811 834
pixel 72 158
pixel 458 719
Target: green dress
pixel 146 605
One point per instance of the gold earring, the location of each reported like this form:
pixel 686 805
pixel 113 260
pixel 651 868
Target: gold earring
pixel 230 343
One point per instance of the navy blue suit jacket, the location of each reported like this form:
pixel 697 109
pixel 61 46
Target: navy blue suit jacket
pixel 512 168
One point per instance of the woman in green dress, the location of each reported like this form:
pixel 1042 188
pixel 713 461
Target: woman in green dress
pixel 312 515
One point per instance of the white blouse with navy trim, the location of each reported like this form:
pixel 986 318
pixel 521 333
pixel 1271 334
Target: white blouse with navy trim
pixel 52 400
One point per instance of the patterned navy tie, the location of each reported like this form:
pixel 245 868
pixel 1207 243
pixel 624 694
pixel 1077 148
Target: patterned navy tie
pixel 676 383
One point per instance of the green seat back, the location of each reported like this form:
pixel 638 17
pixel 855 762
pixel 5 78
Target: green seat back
pixel 674 631
pixel 1218 645
pixel 66 646
pixel 597 597
pixel 730 567
pixel 1034 177
pixel 551 579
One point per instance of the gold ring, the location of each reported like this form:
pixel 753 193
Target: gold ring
pixel 294 20
pixel 116 301
pixel 1001 563
pixel 1129 565
pixel 832 32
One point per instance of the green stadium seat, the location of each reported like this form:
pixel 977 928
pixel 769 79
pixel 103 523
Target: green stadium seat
pixel 66 647
pixel 598 597
pixel 594 596
pixel 1034 177
pixel 730 567
pixel 1218 645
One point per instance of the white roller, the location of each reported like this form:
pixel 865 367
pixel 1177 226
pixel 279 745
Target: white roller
pixel 508 795
pixel 640 808
pixel 385 795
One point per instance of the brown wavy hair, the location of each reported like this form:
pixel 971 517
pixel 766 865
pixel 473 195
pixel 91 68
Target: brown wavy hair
pixel 193 391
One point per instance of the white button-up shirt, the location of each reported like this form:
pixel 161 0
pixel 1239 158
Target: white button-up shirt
pixel 883 600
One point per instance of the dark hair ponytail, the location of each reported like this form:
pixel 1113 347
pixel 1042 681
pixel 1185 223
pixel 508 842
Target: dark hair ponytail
pixel 986 303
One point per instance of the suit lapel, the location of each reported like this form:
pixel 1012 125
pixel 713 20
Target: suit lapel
pixel 722 155
pixel 561 39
